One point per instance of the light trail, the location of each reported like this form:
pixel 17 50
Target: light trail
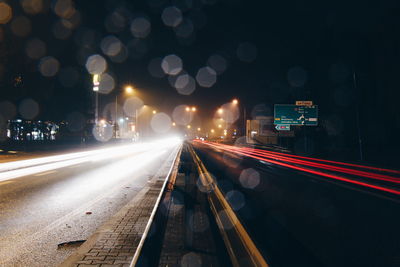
pixel 266 158
pixel 22 168
pixel 319 165
pixel 328 161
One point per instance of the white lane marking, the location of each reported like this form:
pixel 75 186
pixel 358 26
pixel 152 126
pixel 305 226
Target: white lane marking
pixel 44 173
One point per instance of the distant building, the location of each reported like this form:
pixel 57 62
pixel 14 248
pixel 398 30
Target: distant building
pixel 26 130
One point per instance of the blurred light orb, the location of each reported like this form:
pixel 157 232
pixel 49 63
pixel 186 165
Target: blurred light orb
pixel 217 63
pixel 5 13
pixel 96 64
pixel 7 110
pixel 115 22
pixel 64 8
pixel 140 27
pixel 249 178
pixel 73 21
pixel 35 48
pixel 297 76
pixel 199 222
pixel 181 116
pixel 21 26
pixel 235 199
pixel 109 111
pixel 132 105
pixel 68 77
pixel 111 45
pixel 28 109
pixel 206 77
pixel 32 7
pixel 171 16
pixel 246 52
pixel 171 64
pixel 161 123
pixel 60 31
pixel 102 131
pixel 185 84
pixel 182 81
pixel 184 29
pixel 49 66
pixel 107 83
pixel 122 56
pixel 226 223
pixel 155 69
pixel 191 259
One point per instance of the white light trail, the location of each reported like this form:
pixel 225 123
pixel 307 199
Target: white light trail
pixel 22 168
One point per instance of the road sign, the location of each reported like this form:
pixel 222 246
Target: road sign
pixel 281 127
pixel 304 103
pixel 296 115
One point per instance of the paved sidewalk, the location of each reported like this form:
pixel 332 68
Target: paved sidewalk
pixel 115 243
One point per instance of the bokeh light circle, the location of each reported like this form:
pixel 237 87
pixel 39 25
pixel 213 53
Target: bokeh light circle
pixel 28 109
pixel 171 64
pixel 161 123
pixel 49 66
pixel 206 77
pixel 96 64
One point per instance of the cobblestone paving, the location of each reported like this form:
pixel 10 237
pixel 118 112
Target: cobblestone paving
pixel 117 246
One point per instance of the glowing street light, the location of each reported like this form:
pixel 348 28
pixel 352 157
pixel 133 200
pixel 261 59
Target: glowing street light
pixel 190 109
pixel 219 126
pixel 154 111
pixel 212 130
pixel 220 111
pixel 235 101
pixel 129 89
pixel 189 126
pixel 199 129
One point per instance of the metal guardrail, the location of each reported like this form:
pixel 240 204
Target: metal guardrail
pixel 171 175
pixel 237 241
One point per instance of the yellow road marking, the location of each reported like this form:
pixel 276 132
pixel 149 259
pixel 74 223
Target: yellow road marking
pixel 6 182
pixel 44 173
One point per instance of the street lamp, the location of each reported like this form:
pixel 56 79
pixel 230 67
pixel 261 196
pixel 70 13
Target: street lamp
pixel 128 90
pixel 154 111
pixel 96 83
pixel 235 101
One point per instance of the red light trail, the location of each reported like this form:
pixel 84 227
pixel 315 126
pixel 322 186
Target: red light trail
pixel 293 162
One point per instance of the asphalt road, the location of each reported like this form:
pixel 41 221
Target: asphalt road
pixel 300 219
pixel 61 200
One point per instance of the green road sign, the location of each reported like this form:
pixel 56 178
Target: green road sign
pixel 296 115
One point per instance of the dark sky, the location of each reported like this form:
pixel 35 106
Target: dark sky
pixel 275 52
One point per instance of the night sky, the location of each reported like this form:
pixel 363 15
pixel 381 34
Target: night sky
pixel 274 52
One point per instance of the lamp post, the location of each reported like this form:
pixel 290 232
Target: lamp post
pixel 128 90
pixel 96 84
